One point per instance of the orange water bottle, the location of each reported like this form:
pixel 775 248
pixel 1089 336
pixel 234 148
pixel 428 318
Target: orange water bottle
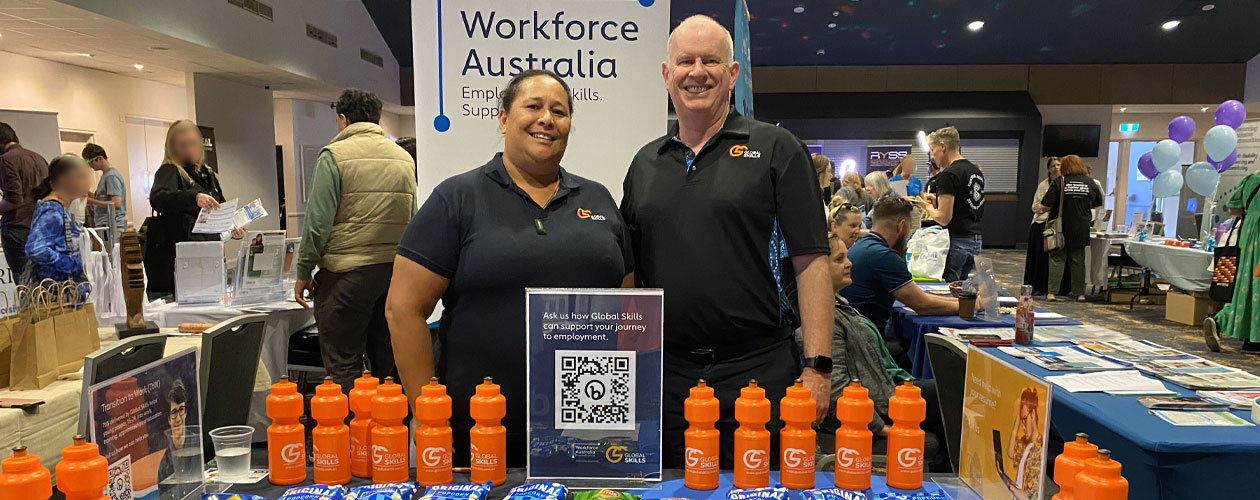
pixel 905 439
pixel 82 473
pixel 22 477
pixel 853 438
pixel 433 437
pixel 331 436
pixel 1101 480
pixel 796 441
pixel 389 436
pixel 286 437
pixel 361 426
pixel 752 440
pixel 1070 463
pixel 701 439
pixel 488 438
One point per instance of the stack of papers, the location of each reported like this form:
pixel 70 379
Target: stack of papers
pixel 1201 418
pixel 1120 382
pixel 1199 374
pixel 1062 358
pixel 1135 350
pixel 1077 333
pixel 1238 400
pixel 966 334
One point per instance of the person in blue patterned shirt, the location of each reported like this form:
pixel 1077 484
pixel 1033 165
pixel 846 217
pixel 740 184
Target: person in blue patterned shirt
pixel 53 248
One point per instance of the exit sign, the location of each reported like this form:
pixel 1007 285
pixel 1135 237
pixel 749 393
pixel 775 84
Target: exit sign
pixel 1129 128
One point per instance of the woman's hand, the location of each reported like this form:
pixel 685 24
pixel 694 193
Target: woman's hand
pixel 206 201
pixel 238 233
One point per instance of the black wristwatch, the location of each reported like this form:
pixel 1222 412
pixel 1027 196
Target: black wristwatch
pixel 821 364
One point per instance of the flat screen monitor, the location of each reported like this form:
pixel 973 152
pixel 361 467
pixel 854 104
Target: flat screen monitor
pixel 1063 140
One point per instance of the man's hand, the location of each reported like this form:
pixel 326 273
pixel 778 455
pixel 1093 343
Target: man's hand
pixel 819 385
pixel 302 290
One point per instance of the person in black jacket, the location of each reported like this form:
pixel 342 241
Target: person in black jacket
pixel 1080 195
pixel 182 186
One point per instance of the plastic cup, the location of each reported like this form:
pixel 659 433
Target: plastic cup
pixel 966 307
pixel 232 451
pixel 185 455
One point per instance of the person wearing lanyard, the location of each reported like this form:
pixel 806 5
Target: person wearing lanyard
pixel 52 250
pixel 485 235
pixel 723 213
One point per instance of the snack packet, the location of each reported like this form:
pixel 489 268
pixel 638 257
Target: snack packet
pixel 538 491
pixel 459 491
pixel 392 491
pixel 777 492
pixel 604 495
pixel 935 495
pixel 230 496
pixel 314 492
pixel 832 494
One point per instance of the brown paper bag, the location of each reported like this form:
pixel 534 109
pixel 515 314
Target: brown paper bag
pixel 74 337
pixel 34 353
pixel 6 342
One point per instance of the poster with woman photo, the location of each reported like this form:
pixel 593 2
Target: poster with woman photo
pixel 1006 418
pixel 146 423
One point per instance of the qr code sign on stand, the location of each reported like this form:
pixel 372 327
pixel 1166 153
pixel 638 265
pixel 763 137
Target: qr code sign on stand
pixel 119 487
pixel 595 390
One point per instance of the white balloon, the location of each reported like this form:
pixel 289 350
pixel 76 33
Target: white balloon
pixel 1219 142
pixel 1166 155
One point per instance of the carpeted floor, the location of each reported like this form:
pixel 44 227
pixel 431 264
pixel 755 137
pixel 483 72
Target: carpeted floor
pixel 1142 322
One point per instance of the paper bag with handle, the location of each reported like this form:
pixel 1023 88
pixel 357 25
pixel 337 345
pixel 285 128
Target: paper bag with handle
pixel 76 337
pixel 6 340
pixel 34 355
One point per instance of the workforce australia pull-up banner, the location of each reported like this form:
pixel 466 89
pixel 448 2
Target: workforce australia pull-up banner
pixel 608 51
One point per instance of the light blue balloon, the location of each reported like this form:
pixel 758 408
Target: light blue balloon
pixel 1166 155
pixel 1219 142
pixel 1202 178
pixel 1167 183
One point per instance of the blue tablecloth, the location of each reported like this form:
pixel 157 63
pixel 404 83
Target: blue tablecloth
pixel 951 487
pixel 1160 460
pixel 911 327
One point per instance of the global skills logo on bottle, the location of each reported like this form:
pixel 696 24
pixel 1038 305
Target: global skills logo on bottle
pixel 292 453
pixel 698 461
pixel 435 457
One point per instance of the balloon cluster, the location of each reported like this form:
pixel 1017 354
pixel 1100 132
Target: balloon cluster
pixel 1220 143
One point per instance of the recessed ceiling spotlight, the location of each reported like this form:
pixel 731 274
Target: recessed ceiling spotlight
pixel 835 13
pixel 822 52
pixel 1171 25
pixel 831 25
pixel 1123 109
pixel 975 25
pixel 1208 7
pixel 1204 109
pixel 798 9
pixel 138 66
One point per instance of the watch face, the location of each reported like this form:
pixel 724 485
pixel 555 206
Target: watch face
pixel 820 363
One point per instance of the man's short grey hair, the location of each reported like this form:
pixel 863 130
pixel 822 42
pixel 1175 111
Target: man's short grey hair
pixel 730 42
pixel 947 136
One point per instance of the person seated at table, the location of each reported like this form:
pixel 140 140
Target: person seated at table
pixel 52 250
pixel 852 189
pixel 858 343
pixel 844 219
pixel 878 188
pixel 880 274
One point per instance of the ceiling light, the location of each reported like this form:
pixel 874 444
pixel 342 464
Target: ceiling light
pixel 1204 109
pixel 77 54
pixel 1208 7
pixel 835 14
pixel 1123 109
pixel 922 137
pixel 138 66
pixel 822 52
pixel 832 25
pixel 798 9
pixel 975 25
pixel 1170 25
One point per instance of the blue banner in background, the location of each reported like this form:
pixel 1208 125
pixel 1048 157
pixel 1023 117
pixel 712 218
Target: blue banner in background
pixel 743 55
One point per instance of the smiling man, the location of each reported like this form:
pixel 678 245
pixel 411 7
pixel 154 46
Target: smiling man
pixel 723 212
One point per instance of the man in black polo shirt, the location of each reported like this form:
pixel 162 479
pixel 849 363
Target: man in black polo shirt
pixel 959 203
pixel 715 208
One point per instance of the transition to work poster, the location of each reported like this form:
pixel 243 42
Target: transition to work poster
pixel 594 383
pixel 609 52
pixel 147 424
pixel 1006 419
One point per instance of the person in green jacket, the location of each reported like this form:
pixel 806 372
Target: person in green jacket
pixel 361 199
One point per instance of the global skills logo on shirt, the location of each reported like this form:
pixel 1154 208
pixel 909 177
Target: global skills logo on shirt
pixel 583 213
pixel 742 151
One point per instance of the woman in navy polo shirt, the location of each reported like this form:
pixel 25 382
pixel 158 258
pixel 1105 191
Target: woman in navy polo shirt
pixel 485 235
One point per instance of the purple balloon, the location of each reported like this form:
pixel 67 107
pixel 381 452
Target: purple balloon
pixel 1181 128
pixel 1223 165
pixel 1147 166
pixel 1231 113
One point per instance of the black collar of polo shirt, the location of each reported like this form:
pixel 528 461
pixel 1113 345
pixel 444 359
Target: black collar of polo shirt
pixel 735 125
pixel 497 172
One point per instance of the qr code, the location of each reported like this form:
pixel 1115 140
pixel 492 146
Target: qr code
pixel 119 487
pixel 595 390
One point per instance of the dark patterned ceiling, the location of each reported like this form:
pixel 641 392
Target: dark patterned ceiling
pixel 865 32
